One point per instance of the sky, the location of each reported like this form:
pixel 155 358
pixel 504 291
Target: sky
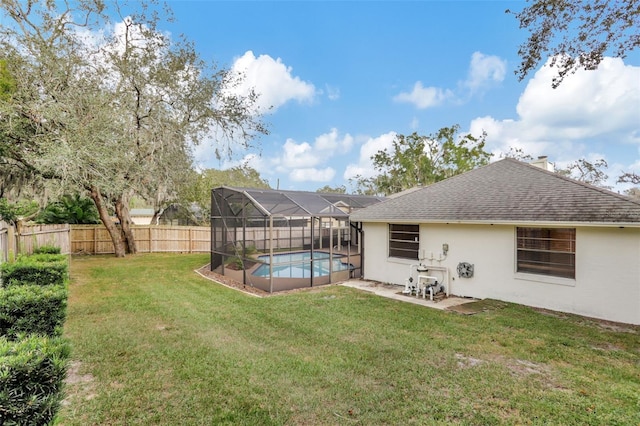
pixel 338 80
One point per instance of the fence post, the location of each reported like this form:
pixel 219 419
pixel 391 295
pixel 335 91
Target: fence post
pixel 13 243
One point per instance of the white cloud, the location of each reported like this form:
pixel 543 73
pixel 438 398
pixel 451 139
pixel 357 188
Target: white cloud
pixel 364 166
pixel 333 93
pixel 298 155
pixel 304 161
pixel 573 121
pixel 333 142
pixel 424 97
pixel 312 175
pixel 252 160
pixel 484 71
pixel 587 103
pixel 271 80
pixel 305 155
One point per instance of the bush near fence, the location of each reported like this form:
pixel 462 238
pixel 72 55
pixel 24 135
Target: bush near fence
pixel 47 250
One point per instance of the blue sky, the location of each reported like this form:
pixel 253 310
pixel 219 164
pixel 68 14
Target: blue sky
pixel 342 78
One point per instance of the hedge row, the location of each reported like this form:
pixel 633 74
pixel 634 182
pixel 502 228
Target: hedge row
pixel 32 372
pixel 33 355
pixel 40 269
pixel 32 309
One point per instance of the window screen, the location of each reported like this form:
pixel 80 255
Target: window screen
pixel 404 241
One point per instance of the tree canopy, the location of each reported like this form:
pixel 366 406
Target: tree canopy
pixel 328 189
pixel 111 113
pixel 576 34
pixel 197 189
pixel 417 160
pixel 586 171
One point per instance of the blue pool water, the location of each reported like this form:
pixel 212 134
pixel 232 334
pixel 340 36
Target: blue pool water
pixel 298 265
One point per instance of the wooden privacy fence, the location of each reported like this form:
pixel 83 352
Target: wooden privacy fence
pixel 33 236
pixel 94 239
pixel 30 237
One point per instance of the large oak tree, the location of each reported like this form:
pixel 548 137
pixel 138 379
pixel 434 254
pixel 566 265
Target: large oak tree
pixel 114 108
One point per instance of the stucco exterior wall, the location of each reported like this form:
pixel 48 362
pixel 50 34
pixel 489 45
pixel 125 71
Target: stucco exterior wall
pixel 607 283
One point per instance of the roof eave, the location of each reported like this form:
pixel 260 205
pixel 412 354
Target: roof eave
pixel 508 222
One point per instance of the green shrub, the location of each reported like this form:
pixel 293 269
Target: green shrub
pixel 32 309
pixel 70 209
pixel 28 271
pixel 46 250
pixel 32 371
pixel 43 258
pixel 235 263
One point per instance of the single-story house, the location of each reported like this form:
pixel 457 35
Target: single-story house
pixel 141 216
pixel 514 232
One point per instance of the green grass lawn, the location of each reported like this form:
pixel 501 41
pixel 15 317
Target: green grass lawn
pixel 153 343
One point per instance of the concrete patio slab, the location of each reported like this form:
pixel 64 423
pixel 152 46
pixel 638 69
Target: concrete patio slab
pixel 395 292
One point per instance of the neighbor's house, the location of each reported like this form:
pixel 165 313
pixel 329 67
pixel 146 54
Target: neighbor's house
pixel 516 233
pixel 141 216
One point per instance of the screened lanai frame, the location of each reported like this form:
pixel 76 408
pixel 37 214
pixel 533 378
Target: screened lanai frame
pixel 250 226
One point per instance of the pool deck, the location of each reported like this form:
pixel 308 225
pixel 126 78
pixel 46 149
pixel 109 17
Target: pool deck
pixel 391 291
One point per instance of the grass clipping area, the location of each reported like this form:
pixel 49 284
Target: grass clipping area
pixel 154 343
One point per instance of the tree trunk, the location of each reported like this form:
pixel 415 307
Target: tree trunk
pixel 155 220
pixel 114 233
pixel 122 211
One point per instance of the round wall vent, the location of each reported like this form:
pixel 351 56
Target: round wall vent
pixel 465 270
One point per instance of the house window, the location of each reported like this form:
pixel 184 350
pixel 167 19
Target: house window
pixel 404 241
pixel 547 251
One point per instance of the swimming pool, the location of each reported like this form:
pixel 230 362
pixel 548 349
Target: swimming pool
pixel 298 264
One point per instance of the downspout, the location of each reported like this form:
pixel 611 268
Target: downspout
pixel 349 246
pixel 244 243
pixel 313 226
pixel 331 250
pixel 212 240
pixel 270 253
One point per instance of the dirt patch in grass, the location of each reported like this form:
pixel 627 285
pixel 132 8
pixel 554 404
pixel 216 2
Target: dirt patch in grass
pixel 517 367
pixel 477 307
pixel 465 361
pixel 616 327
pixel 78 386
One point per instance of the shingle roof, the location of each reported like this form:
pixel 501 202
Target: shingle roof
pixel 506 191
